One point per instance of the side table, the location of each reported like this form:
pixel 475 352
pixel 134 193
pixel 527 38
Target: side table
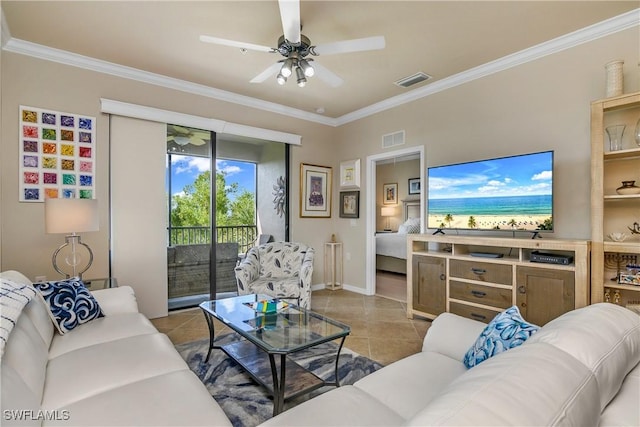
pixel 333 268
pixel 101 283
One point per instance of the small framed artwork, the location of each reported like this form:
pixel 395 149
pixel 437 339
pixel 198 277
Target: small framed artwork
pixel 315 191
pixel 350 174
pixel 414 186
pixel 390 194
pixel 349 204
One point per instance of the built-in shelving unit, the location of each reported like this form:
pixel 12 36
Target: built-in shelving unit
pixel 612 212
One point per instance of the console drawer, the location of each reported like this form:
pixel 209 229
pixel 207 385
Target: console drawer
pixel 481 271
pixel 487 295
pixel 473 313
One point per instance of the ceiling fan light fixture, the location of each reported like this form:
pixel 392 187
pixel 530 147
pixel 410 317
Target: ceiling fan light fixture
pixel 306 68
pixel 302 81
pixel 287 67
pixel 181 140
pixel 281 79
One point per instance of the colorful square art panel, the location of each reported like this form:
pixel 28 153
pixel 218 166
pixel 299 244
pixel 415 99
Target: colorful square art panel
pixel 57 155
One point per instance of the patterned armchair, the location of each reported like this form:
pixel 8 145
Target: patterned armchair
pixel 278 269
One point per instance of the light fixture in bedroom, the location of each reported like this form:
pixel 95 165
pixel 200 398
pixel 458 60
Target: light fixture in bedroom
pixel 387 212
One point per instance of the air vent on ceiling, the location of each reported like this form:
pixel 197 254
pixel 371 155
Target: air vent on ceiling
pixel 393 139
pixel 412 80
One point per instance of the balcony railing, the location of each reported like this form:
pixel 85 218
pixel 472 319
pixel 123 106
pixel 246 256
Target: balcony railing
pixel 245 235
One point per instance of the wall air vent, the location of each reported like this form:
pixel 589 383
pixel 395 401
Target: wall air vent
pixel 412 80
pixel 393 139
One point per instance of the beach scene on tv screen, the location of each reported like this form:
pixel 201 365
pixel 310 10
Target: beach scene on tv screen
pixel 510 193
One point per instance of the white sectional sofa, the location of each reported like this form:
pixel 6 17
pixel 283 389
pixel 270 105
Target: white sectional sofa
pixel 581 369
pixel 114 370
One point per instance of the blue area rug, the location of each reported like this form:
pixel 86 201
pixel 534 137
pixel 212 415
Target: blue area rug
pixel 247 403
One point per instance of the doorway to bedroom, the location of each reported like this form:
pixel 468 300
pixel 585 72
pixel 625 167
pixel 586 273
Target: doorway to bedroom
pixel 394 210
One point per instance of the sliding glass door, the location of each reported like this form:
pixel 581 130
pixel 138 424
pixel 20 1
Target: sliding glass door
pixel 211 222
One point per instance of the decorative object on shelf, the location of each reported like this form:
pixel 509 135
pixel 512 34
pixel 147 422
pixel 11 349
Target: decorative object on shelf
pixel 628 187
pixel 71 216
pixel 279 196
pixel 414 186
pixel 350 174
pixel 636 133
pixel 57 155
pixel 390 194
pixel 615 77
pixel 615 137
pixel 618 237
pixel 349 204
pixel 315 191
pixel 635 229
pixel 607 295
pixel 616 296
pixel 333 238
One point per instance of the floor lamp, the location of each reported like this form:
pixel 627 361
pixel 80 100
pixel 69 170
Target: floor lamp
pixel 71 216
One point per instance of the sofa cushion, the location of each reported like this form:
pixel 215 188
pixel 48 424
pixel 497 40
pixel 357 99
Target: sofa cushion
pixel 452 335
pixel 506 331
pixel 501 391
pixel 116 300
pixel 91 370
pixel 410 384
pixel 104 329
pixel 174 399
pixel 17 396
pixel 280 287
pixel 346 406
pixel 70 303
pixel 623 410
pixel 604 337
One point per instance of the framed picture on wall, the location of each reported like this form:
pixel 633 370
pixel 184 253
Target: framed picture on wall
pixel 350 174
pixel 315 191
pixel 390 194
pixel 349 204
pixel 414 186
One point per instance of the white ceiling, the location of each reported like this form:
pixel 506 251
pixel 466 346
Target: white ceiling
pixel 440 38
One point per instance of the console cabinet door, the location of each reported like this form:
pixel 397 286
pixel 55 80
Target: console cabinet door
pixel 544 294
pixel 429 284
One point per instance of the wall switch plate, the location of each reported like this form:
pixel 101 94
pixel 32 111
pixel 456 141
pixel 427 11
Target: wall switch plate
pixel 41 279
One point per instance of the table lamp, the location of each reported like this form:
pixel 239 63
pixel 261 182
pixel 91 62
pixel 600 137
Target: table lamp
pixel 71 216
pixel 387 212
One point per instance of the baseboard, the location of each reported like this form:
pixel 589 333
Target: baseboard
pixel 346 287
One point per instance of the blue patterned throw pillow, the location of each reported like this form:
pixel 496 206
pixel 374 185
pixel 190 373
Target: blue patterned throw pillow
pixel 507 330
pixel 70 303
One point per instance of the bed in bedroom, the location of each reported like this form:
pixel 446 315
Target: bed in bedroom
pixel 391 248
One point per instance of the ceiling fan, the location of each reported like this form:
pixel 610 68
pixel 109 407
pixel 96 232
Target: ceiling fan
pixel 183 136
pixel 296 48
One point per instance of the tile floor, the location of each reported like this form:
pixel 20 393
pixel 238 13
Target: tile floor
pixel 380 329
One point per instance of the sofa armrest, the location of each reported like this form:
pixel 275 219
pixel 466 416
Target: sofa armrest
pixel 248 270
pixel 116 300
pixel 452 335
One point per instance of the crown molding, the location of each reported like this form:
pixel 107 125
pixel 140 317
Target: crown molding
pixel 602 29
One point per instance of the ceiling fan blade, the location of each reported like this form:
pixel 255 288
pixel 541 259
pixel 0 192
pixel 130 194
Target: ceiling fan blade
pixel 197 141
pixel 326 75
pixel 270 71
pixel 233 43
pixel 290 16
pixel 347 46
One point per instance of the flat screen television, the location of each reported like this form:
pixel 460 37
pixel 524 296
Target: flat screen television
pixel 507 193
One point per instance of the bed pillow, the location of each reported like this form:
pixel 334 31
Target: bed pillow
pixel 507 330
pixel 70 303
pixel 411 226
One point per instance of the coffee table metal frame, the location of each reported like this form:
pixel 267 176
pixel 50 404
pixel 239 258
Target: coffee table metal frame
pixel 287 379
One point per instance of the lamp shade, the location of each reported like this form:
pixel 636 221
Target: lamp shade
pixel 387 211
pixel 70 215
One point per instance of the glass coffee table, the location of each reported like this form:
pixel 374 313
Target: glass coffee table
pixel 269 338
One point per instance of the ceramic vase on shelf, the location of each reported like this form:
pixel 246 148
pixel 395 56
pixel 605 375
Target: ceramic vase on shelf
pixel 615 137
pixel 628 187
pixel 614 78
pixel 636 133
